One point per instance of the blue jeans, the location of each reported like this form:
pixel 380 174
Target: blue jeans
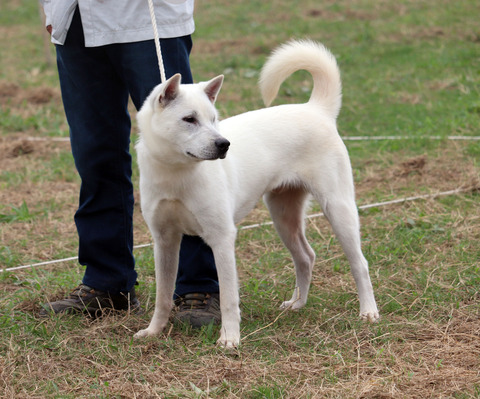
pixel 96 83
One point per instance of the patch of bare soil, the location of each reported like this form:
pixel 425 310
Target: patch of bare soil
pixel 412 165
pixel 13 94
pixel 348 14
pixel 447 170
pixel 18 151
pixel 16 148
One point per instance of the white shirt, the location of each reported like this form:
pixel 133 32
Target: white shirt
pixel 119 21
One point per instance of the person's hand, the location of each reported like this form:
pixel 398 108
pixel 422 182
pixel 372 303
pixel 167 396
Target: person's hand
pixel 49 29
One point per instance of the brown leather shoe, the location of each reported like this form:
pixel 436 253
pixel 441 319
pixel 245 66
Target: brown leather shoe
pixel 85 299
pixel 198 309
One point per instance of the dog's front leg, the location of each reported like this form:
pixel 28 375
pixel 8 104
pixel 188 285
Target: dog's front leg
pixel 166 250
pixel 224 252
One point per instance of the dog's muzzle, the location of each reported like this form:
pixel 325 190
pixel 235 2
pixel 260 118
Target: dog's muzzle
pixel 222 146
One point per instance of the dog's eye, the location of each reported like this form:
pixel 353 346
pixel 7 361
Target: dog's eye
pixel 190 119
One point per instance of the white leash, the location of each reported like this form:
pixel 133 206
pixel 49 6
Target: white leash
pixel 157 41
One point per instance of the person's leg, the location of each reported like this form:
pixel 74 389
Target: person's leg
pixel 95 101
pixel 137 63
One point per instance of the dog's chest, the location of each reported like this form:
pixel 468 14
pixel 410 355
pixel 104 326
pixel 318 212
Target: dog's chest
pixel 173 214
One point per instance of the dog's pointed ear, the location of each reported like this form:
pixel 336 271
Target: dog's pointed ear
pixel 212 87
pixel 170 90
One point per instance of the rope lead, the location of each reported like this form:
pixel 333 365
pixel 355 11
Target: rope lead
pixel 157 41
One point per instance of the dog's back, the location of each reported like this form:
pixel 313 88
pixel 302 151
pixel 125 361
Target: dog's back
pixel 312 57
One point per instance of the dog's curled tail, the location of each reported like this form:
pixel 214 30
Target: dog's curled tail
pixel 312 57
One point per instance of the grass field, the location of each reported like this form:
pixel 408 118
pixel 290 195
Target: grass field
pixel 409 68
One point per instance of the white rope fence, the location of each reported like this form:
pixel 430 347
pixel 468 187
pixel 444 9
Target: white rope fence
pixel 378 138
pixel 253 226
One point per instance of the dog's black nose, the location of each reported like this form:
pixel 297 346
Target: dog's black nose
pixel 222 144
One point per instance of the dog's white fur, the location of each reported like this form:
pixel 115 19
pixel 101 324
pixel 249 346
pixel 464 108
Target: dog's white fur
pixel 284 153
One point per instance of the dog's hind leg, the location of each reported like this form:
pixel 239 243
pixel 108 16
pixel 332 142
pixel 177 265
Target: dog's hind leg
pixel 166 250
pixel 287 208
pixel 341 212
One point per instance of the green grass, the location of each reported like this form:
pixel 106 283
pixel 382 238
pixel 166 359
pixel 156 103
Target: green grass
pixel 409 68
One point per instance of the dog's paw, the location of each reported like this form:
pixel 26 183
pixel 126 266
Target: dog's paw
pixel 287 305
pixel 228 343
pixel 144 334
pixel 230 340
pixel 292 305
pixel 372 316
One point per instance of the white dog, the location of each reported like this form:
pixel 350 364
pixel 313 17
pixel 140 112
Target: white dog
pixel 285 153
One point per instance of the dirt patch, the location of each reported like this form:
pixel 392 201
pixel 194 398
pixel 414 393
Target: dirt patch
pixel 16 148
pixel 41 95
pixel 413 165
pixel 348 14
pixel 11 93
pixel 8 90
pixel 448 169
pixel 19 151
pixel 411 34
